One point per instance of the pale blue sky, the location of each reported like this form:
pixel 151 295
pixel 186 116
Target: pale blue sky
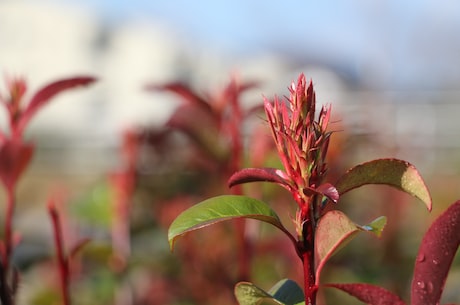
pixel 411 43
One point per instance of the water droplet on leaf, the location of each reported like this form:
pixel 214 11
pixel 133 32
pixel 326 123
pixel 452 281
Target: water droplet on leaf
pixel 420 257
pixel 429 287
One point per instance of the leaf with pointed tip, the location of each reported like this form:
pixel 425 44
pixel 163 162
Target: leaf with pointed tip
pixel 247 175
pixel 376 226
pixel 288 292
pixel 202 127
pixel 370 294
pixel 393 172
pixel 435 256
pixel 218 209
pixel 15 156
pixel 183 91
pixel 249 294
pixel 334 231
pixel 46 93
pixel 327 190
pixel 285 292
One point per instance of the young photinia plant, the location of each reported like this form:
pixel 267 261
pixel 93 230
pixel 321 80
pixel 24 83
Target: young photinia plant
pixel 15 155
pixel 302 137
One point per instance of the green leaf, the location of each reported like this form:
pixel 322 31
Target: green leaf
pixel 222 208
pixel 95 208
pixel 285 292
pixel 393 172
pixel 288 292
pixel 334 231
pixel 249 294
pixel 376 226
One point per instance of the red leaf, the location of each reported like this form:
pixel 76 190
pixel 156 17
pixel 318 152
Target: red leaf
pixel 258 174
pixel 14 157
pixel 370 294
pixel 202 127
pixel 46 93
pixel 435 256
pixel 328 190
pixel 333 231
pixel 183 91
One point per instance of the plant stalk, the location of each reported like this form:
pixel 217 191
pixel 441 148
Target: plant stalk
pixel 309 278
pixel 6 297
pixel 307 256
pixel 8 229
pixel 63 263
pixel 6 292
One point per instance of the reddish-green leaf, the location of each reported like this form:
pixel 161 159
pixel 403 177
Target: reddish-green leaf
pixel 435 256
pixel 285 292
pixel 249 294
pixel 327 190
pixel 219 209
pixel 15 155
pixel 393 172
pixel 47 92
pixel 370 294
pixel 184 91
pixel 334 231
pixel 257 174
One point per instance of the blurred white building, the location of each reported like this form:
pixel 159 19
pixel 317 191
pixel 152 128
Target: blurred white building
pixel 45 42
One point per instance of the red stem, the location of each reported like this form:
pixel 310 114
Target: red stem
pixel 309 278
pixel 6 293
pixel 6 297
pixel 8 229
pixel 307 255
pixel 63 263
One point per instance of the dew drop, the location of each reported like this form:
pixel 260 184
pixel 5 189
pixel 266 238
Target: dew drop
pixel 435 262
pixel 421 284
pixel 429 287
pixel 420 257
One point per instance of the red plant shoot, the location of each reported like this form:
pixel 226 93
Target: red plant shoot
pixel 63 256
pixel 301 140
pixel 15 156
